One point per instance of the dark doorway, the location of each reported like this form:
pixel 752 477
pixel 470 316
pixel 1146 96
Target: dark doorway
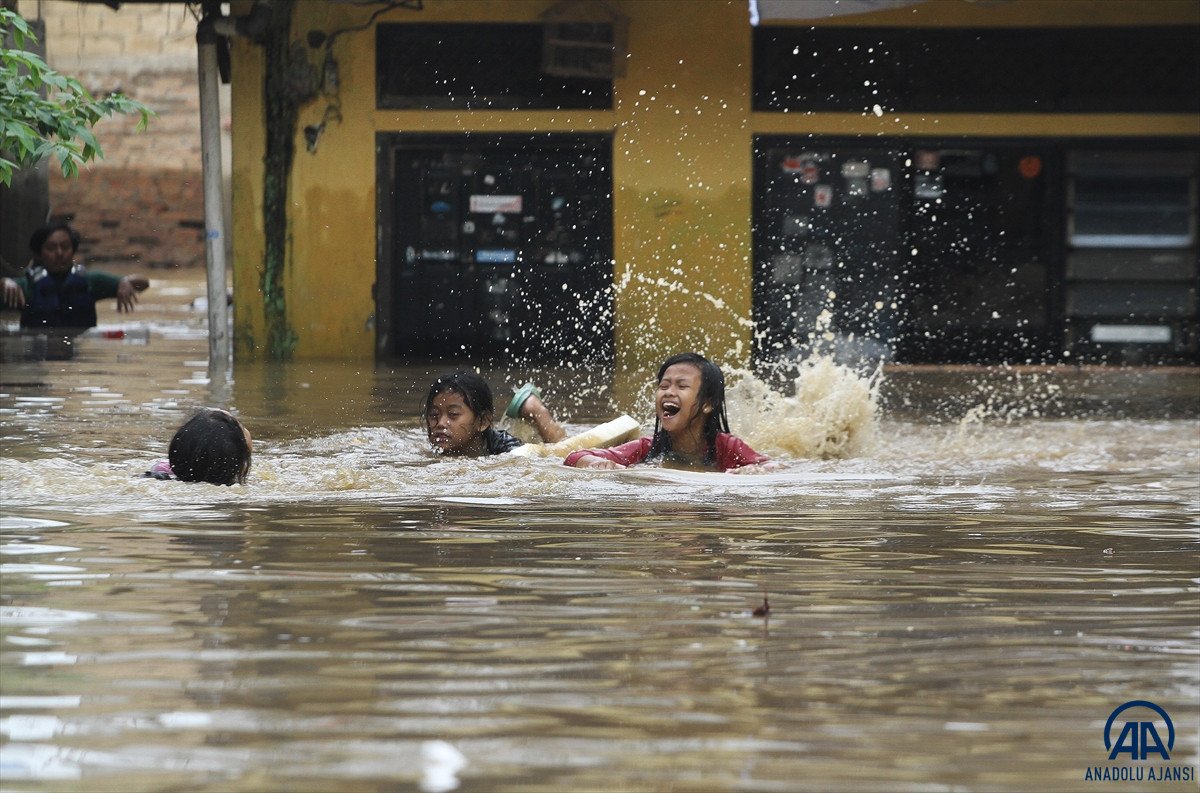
pixel 495 247
pixel 984 255
pixel 918 251
pixel 826 245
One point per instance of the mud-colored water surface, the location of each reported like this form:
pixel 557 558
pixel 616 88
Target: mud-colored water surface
pixel 967 572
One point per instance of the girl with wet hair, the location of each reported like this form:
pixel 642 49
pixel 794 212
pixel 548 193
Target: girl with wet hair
pixel 212 446
pixel 711 394
pixel 690 425
pixel 459 412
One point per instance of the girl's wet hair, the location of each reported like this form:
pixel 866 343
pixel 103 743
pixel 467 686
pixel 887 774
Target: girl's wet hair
pixel 476 393
pixel 43 233
pixel 712 392
pixel 210 447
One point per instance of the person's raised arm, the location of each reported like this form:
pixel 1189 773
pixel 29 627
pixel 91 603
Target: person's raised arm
pixel 536 413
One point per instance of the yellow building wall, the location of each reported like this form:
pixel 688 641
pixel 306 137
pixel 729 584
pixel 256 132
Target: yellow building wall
pixel 681 170
pixel 246 190
pixel 682 156
pixel 330 262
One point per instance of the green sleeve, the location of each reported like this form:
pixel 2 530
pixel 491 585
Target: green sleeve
pixel 26 290
pixel 102 285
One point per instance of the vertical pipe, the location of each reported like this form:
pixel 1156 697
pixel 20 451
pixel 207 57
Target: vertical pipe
pixel 214 216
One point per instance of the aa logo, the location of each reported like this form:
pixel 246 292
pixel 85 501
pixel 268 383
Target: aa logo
pixel 1139 738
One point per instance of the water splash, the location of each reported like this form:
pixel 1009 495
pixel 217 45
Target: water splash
pixel 832 411
pixel 629 276
pixel 1025 396
pixel 649 333
pixel 832 414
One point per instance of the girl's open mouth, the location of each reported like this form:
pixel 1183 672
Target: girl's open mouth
pixel 669 409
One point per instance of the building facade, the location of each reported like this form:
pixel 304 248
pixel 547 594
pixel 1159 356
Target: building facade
pixel 922 181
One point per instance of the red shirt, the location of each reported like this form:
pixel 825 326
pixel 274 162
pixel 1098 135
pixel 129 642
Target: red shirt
pixel 732 452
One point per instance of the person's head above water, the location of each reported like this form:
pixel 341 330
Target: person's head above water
pixel 458 410
pixel 212 446
pixel 689 406
pixel 53 247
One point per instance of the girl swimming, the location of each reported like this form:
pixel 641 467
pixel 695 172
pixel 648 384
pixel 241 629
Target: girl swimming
pixel 212 446
pixel 690 425
pixel 459 413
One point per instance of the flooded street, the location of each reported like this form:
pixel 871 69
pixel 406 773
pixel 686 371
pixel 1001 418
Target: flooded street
pixel 960 603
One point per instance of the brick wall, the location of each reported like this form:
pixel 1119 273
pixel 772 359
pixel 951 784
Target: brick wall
pixel 143 203
pixel 151 218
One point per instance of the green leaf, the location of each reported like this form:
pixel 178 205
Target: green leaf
pixel 56 81
pixel 21 31
pixel 34 127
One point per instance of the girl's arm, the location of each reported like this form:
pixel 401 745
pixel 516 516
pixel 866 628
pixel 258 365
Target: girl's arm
pixel 127 291
pixel 536 413
pixel 622 456
pixel 593 461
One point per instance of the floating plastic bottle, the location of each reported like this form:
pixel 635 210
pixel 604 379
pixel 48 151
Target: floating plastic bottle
pixel 128 335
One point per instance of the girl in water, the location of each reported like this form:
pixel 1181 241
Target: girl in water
pixel 459 411
pixel 690 425
pixel 212 446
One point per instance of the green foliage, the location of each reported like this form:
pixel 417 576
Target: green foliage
pixel 32 126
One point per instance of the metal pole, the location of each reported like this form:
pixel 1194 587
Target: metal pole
pixel 214 216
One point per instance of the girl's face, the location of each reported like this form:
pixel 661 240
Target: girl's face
pixel 453 427
pixel 677 400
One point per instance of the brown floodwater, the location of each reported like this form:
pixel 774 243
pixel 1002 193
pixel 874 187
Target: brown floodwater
pixel 968 570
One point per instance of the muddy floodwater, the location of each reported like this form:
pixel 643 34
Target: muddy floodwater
pixel 968 571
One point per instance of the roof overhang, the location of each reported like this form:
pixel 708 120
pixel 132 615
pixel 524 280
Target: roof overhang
pixel 782 10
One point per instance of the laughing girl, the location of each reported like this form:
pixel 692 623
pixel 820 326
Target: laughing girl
pixel 690 427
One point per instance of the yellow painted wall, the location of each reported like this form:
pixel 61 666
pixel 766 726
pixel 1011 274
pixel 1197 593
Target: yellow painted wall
pixel 246 175
pixel 331 240
pixel 681 168
pixel 683 130
pixel 681 171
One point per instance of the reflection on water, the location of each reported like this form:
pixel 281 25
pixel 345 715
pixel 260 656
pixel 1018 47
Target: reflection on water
pixel 960 606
